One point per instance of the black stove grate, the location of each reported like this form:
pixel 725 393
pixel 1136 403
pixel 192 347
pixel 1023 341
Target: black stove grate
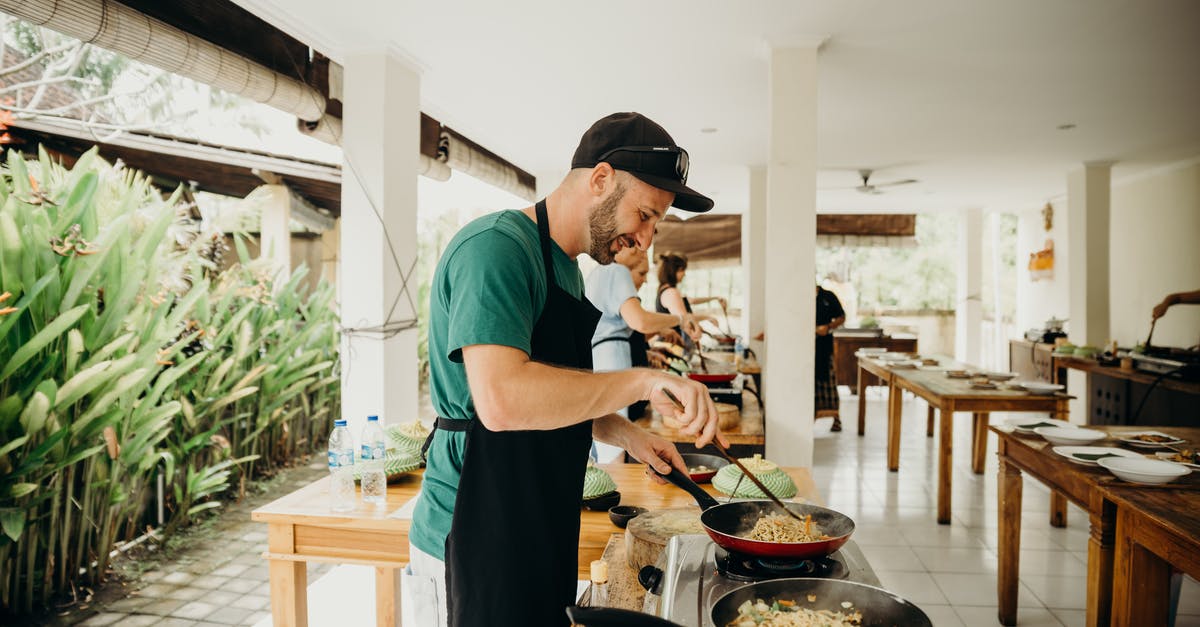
pixel 747 568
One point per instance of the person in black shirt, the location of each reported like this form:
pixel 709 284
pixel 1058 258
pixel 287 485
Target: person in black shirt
pixel 830 316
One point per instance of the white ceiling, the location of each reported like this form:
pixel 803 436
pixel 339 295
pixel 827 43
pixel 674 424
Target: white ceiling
pixel 963 95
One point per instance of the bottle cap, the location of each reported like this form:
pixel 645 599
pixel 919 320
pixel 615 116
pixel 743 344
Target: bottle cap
pixel 339 423
pixel 599 571
pixel 372 418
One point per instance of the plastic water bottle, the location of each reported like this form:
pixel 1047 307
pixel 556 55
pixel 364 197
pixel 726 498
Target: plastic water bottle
pixel 341 468
pixel 374 480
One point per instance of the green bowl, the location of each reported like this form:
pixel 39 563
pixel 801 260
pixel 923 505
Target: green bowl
pixel 597 482
pixel 778 481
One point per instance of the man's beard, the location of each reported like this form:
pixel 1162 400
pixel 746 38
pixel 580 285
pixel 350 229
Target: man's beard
pixel 602 224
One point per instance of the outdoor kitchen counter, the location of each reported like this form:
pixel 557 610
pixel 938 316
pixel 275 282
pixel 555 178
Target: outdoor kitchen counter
pixel 300 529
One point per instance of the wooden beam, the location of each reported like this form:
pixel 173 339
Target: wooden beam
pixel 901 225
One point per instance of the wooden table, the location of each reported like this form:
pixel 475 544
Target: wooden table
pixel 871 371
pixel 1082 485
pixel 956 395
pixel 300 529
pixel 747 438
pixel 1157 530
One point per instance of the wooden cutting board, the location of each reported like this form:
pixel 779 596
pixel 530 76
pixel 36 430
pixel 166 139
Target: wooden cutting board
pixel 647 535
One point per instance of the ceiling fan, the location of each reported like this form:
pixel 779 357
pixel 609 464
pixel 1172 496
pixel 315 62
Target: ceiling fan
pixel 868 188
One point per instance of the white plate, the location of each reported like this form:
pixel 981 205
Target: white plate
pixel 1070 436
pixel 1166 457
pixel 1128 438
pixel 1027 424
pixel 1150 471
pixel 1039 387
pixel 872 349
pixel 894 356
pixel 1070 451
pixel 1000 376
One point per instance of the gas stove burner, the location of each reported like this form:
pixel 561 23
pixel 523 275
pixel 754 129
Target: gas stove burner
pixel 747 568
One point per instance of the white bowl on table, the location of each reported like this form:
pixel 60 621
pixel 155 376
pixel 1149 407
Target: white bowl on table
pixel 1000 376
pixel 1026 424
pixel 1091 455
pixel 1151 471
pixel 1070 436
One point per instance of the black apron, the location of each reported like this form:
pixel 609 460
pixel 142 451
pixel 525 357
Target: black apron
pixel 512 553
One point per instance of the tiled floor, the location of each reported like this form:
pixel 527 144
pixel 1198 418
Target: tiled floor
pixel 950 570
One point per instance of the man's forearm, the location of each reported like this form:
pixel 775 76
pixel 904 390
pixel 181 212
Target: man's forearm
pixel 538 396
pixel 612 429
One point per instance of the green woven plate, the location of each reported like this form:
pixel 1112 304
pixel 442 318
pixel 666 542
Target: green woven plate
pixel 777 480
pixel 394 465
pixel 597 482
pixel 406 439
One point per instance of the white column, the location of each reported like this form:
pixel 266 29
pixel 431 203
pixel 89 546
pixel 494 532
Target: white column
pixel 968 315
pixel 1088 193
pixel 790 298
pixel 274 233
pixel 754 261
pixel 379 203
pixel 1089 190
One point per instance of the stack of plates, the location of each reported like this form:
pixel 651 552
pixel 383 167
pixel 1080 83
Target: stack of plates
pixel 1039 387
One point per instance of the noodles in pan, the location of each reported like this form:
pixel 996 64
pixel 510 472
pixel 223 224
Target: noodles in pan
pixel 779 528
pixel 789 614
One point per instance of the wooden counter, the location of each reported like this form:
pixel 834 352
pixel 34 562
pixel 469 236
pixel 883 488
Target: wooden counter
pixel 1157 531
pixel 1034 361
pixel 845 363
pixel 300 529
pixel 1114 396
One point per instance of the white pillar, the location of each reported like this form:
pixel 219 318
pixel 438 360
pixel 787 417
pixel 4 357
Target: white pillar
pixel 754 261
pixel 275 235
pixel 1088 214
pixel 790 315
pixel 968 315
pixel 379 191
pixel 1088 193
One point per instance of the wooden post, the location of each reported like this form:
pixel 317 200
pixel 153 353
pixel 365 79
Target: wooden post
pixel 1100 562
pixel 862 401
pixel 1058 509
pixel 289 580
pixel 929 422
pixel 979 436
pixel 1141 580
pixel 895 409
pixel 945 465
pixel 1009 539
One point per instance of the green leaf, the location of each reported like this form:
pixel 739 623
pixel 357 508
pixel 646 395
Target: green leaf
pixel 13 522
pixel 43 338
pixel 21 489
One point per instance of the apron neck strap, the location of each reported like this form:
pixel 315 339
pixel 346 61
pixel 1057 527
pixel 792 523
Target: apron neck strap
pixel 543 224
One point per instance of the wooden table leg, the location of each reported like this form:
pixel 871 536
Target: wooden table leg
pixel 289 580
pixel 895 408
pixel 1100 564
pixel 945 466
pixel 1058 509
pixel 387 597
pixel 979 435
pixel 929 422
pixel 1009 540
pixel 862 401
pixel 1141 583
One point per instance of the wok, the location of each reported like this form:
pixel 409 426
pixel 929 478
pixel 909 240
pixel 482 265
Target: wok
pixel 727 523
pixel 879 607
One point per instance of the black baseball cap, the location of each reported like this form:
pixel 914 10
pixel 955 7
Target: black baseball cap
pixel 636 144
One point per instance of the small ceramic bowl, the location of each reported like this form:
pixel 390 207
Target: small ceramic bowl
pixel 622 514
pixel 603 502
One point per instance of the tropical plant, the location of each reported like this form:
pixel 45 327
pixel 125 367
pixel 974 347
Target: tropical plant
pixel 125 355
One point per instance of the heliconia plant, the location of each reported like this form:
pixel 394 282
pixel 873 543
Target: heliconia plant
pixel 126 353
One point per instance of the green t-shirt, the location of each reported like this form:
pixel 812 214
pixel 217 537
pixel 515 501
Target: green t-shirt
pixel 489 288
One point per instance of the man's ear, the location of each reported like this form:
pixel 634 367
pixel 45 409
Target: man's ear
pixel 602 179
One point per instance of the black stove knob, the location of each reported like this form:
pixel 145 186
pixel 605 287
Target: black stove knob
pixel 650 577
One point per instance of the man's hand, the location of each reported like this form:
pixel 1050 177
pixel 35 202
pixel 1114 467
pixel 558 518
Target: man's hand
pixel 657 360
pixel 671 336
pixel 657 453
pixel 822 329
pixel 699 414
pixel 1161 309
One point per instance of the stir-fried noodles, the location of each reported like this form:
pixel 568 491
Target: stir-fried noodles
pixel 788 614
pixel 779 528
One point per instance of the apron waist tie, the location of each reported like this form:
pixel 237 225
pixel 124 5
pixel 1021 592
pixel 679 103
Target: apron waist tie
pixel 445 424
pixel 610 339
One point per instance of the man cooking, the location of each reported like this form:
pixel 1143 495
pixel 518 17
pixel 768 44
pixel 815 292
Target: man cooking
pixel 497 520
